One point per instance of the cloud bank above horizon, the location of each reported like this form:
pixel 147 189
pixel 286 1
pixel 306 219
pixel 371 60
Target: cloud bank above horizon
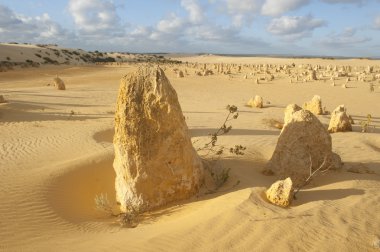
pixel 290 27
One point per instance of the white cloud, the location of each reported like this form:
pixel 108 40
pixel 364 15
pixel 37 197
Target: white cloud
pixel 39 29
pixel 376 22
pixel 173 24
pixel 359 2
pixel 294 27
pixel 242 11
pixel 347 38
pixel 276 7
pixel 94 16
pixel 195 11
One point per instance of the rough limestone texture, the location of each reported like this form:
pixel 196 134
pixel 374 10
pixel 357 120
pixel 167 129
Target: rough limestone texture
pixel 155 162
pixel 281 192
pixel 256 102
pixel 289 111
pixel 303 143
pixel 314 106
pixel 340 121
pixel 59 84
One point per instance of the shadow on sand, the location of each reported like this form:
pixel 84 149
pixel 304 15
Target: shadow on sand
pixel 29 112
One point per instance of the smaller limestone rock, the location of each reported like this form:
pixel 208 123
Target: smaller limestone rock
pixel 281 192
pixel 256 102
pixel 371 88
pixel 340 121
pixel 313 75
pixel 314 106
pixel 369 69
pixel 59 84
pixel 180 74
pixel 2 99
pixel 304 145
pixel 207 73
pixel 289 111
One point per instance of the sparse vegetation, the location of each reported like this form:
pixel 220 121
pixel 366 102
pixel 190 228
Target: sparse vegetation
pixel 218 173
pixel 210 146
pixel 50 61
pixel 129 219
pixel 103 204
pixel 366 125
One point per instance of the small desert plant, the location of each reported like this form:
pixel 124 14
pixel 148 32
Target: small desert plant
pixel 224 129
pixel 128 219
pixel 131 217
pixel 238 150
pixel 367 124
pixel 218 173
pixel 103 204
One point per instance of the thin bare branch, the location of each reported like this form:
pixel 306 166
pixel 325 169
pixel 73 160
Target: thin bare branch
pixel 312 173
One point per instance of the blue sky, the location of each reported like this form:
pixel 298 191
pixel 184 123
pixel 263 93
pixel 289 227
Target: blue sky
pixel 298 27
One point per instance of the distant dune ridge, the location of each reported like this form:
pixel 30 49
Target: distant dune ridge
pixel 57 153
pixel 29 55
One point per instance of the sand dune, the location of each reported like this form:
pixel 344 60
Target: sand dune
pixel 56 154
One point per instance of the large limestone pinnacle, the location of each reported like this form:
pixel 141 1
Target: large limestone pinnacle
pixel 155 162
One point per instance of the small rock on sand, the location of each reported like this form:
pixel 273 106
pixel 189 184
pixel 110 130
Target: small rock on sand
pixel 339 122
pixel 314 106
pixel 256 102
pixel 59 84
pixel 2 99
pixel 281 192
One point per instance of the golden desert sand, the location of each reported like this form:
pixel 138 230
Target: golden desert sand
pixel 57 154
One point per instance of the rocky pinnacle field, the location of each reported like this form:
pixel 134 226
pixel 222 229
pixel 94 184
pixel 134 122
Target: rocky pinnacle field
pixel 57 154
